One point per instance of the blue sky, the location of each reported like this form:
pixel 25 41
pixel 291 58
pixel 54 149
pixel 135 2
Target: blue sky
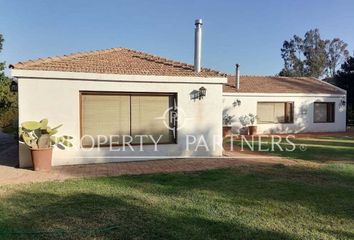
pixel 246 32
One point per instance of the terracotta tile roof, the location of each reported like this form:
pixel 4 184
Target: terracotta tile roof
pixel 265 84
pixel 116 61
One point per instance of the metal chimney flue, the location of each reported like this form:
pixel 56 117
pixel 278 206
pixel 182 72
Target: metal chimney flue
pixel 198 45
pixel 237 76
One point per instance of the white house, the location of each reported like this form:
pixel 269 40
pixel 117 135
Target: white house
pixel 125 92
pixel 285 104
pixel 120 104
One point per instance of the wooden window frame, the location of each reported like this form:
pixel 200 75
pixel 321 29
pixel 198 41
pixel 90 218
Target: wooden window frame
pixel 113 93
pixel 291 117
pixel 328 116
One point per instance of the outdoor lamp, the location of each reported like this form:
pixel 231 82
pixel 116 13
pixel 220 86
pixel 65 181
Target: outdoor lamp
pixel 202 92
pixel 342 102
pixel 13 86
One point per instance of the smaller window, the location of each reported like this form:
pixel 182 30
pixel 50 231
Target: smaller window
pixel 323 112
pixel 275 112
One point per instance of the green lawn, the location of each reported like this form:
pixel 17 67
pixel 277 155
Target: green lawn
pixel 276 202
pixel 304 201
pixel 320 149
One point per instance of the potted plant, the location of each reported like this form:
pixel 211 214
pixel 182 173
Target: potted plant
pixel 244 120
pixel 227 128
pixel 247 122
pixel 40 139
pixel 252 129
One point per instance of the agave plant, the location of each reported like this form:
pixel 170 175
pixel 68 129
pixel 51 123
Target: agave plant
pixel 38 135
pixel 244 120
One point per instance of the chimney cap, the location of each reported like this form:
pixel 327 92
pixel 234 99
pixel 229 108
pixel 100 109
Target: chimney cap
pixel 198 22
pixel 237 65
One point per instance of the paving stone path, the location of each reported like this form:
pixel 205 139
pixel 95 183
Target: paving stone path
pixel 11 175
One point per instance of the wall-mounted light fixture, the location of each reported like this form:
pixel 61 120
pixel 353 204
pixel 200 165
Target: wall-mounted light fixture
pixel 198 94
pixel 236 103
pixel 202 92
pixel 342 103
pixel 13 86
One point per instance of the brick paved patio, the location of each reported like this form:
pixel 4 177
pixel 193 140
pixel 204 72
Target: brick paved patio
pixel 11 175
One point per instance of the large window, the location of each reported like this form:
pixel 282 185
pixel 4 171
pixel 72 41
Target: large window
pixel 323 112
pixel 106 115
pixel 275 112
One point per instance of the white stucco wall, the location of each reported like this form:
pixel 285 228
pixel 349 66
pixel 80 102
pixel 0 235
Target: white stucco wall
pixel 302 122
pixel 58 100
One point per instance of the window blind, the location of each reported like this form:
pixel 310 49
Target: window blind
pixel 125 114
pixel 323 112
pixel 275 112
pixel 149 115
pixel 106 115
pixel 320 112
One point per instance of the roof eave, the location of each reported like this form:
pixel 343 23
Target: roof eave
pixel 281 94
pixel 35 74
pixel 334 86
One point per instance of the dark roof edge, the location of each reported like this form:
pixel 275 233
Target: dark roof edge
pixel 332 85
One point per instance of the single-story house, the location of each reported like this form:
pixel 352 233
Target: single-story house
pixel 285 104
pixel 125 92
pixel 120 104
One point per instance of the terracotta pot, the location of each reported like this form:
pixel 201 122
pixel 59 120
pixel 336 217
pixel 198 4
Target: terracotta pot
pixel 226 131
pixel 252 130
pixel 244 131
pixel 42 159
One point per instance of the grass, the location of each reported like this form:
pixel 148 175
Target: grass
pixel 278 202
pixel 303 201
pixel 321 149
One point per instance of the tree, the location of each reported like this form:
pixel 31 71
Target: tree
pixel 291 52
pixel 344 78
pixel 2 65
pixel 337 53
pixel 312 56
pixel 315 54
pixel 8 99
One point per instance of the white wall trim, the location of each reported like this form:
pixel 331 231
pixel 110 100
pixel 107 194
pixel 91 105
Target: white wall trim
pixel 114 77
